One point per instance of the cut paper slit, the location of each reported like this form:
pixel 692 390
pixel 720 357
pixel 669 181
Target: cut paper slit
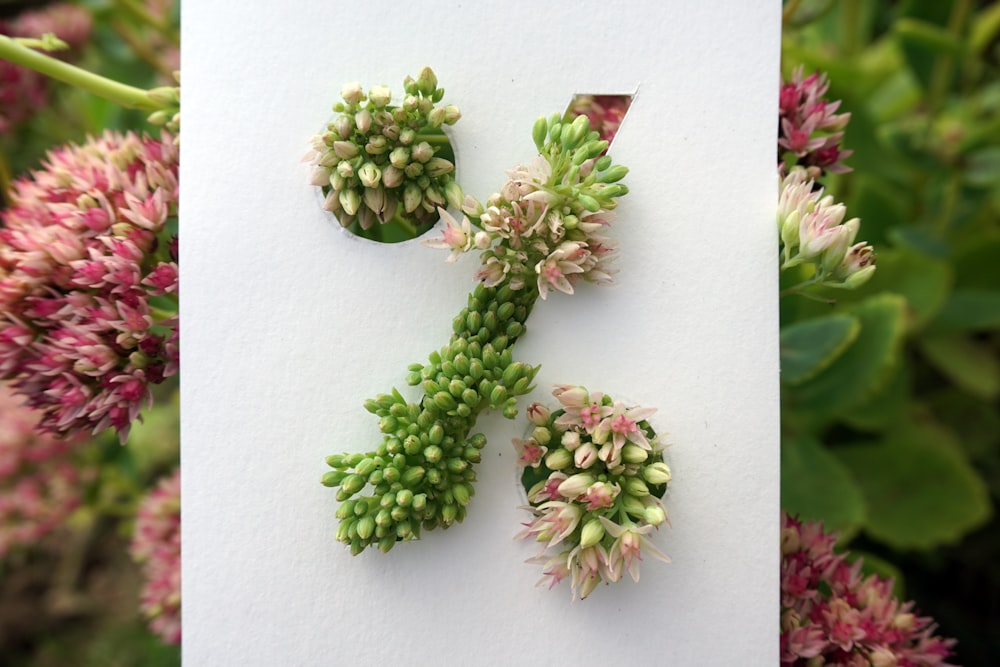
pixel 606 112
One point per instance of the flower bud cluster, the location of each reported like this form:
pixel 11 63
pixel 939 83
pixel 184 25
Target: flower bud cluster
pixel 421 476
pixel 169 116
pixel 40 482
pixel 810 130
pixel 156 545
pixel 812 231
pixel 833 615
pixel 377 161
pixel 545 228
pixel 594 474
pixel 88 282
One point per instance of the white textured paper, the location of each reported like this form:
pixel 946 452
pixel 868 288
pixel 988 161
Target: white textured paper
pixel 289 324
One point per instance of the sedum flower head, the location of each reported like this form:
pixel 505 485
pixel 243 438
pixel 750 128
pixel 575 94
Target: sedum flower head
pixel 593 516
pixel 544 230
pixel 810 130
pixel 40 484
pixel 832 614
pixel 812 230
pixel 156 545
pixel 88 282
pixel 377 160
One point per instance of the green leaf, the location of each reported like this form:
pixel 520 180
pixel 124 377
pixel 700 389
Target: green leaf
pixel 883 408
pixel 810 346
pixel 968 310
pixel 975 262
pixel 863 368
pixel 970 365
pixel 924 281
pixel 918 487
pixel 816 485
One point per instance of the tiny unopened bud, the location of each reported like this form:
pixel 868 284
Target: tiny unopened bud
pixel 422 152
pixel 437 166
pixel 453 193
pixel 343 126
pixel 407 135
pixel 412 196
pixel 542 435
pixel 636 487
pixel 570 440
pixel 391 176
pixel 436 117
pixel 574 485
pixel 350 201
pixel 593 532
pixel 369 175
pixel 363 119
pixel 427 81
pixel 352 92
pixel 655 515
pixel 558 459
pixel 482 240
pixel 585 455
pixel 632 453
pixel 657 473
pixel 379 96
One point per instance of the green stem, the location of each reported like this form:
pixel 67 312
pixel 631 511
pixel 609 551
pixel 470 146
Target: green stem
pixel 119 93
pixel 944 66
pixel 789 10
pixel 851 26
pixel 5 179
pixel 431 138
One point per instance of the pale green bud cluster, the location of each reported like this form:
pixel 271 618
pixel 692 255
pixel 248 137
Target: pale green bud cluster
pixel 421 476
pixel 169 115
pixel 378 161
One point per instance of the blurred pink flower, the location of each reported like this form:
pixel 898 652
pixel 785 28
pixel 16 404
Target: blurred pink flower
pixel 156 545
pixel 84 246
pixel 829 609
pixel 39 483
pixel 809 126
pixel 22 91
pixel 605 112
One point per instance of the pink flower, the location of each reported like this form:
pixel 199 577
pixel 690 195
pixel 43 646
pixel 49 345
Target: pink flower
pixel 86 242
pixel 605 112
pixel 555 522
pixel 600 495
pixel 554 568
pixel 629 541
pixel 829 610
pixel 580 409
pixel 156 545
pixel 40 483
pixel 809 127
pixel 529 452
pixel 622 425
pixel 455 237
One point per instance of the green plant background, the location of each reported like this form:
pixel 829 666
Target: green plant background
pixel 890 426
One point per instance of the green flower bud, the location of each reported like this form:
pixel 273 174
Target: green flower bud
pixel 538 132
pixel 398 513
pixel 542 435
pixel 392 177
pixel 613 175
pixel 462 494
pixel 345 150
pixel 632 453
pixel 498 396
pixel 457 465
pixel 399 157
pixel 589 203
pixel 379 96
pixel 654 515
pixel 365 468
pixel 436 117
pixel 470 397
pixel 657 473
pixel 407 136
pixel 412 196
pixel 452 114
pixel 346 510
pixel 352 484
pixel 422 152
pixel 363 121
pixel 437 166
pixel 413 476
pixel 633 506
pixel 433 453
pixel 366 526
pixel 377 145
pixel 448 514
pixel 333 478
pixel 558 459
pixel 391 475
pixel 444 400
pixel 636 487
pixel 350 201
pixel 352 93
pixel 593 530
pixel 427 82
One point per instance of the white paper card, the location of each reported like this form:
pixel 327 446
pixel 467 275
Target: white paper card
pixel 290 323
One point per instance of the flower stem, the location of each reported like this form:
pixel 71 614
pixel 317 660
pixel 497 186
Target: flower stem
pixel 119 93
pixel 431 138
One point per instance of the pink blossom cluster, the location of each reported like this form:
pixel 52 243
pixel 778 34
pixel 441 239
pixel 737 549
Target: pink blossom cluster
pixel 23 91
pixel 546 227
pixel 88 282
pixel 594 475
pixel 812 230
pixel 809 127
pixel 39 482
pixel 156 544
pixel 833 615
pixel 605 112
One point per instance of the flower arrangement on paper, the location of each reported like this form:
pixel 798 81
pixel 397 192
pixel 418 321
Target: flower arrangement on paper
pixel 542 232
pixel 594 475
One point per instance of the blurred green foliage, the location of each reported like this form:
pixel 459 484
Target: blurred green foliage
pixel 890 422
